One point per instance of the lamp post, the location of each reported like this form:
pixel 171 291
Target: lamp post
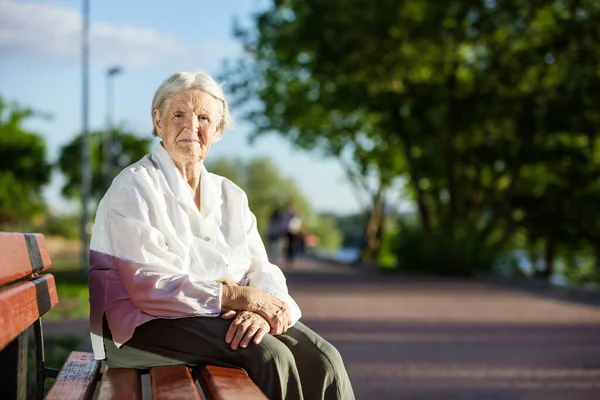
pixel 107 143
pixel 85 151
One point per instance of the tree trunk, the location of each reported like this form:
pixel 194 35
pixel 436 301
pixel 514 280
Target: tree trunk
pixel 549 256
pixel 597 262
pixel 412 164
pixel 374 228
pixel 448 152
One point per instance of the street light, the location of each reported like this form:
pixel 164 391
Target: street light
pixel 107 143
pixel 85 151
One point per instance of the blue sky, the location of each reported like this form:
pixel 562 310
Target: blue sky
pixel 40 68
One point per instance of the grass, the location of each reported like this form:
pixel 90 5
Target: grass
pixel 73 302
pixel 72 289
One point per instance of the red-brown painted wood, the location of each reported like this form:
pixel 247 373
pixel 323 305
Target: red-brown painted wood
pixel 228 384
pixel 14 257
pixel 77 378
pixel 20 306
pixel 120 384
pixel 173 383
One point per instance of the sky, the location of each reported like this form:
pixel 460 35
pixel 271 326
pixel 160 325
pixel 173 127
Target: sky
pixel 40 67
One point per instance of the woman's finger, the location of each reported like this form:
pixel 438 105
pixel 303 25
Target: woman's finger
pixel 276 330
pixel 260 334
pixel 252 329
pixel 233 328
pixel 239 335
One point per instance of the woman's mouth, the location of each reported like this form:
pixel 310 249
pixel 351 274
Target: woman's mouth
pixel 189 141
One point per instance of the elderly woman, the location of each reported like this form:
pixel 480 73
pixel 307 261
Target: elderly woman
pixel 179 274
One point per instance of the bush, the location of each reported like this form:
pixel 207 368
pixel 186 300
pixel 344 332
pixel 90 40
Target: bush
pixel 328 233
pixel 66 226
pixel 438 254
pixel 387 251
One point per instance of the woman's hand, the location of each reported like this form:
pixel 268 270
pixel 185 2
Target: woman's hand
pixel 275 311
pixel 245 326
pixel 245 298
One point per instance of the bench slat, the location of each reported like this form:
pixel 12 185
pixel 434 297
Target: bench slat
pixel 76 379
pixel 22 254
pixel 228 384
pixel 23 303
pixel 120 384
pixel 173 383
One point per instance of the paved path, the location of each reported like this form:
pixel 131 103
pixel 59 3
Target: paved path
pixel 413 338
pixel 447 339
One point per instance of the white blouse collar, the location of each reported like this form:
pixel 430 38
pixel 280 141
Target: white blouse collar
pixel 177 188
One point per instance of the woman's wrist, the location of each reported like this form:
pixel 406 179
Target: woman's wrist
pixel 229 297
pixel 236 298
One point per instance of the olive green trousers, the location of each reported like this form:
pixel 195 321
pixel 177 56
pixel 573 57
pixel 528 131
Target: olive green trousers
pixel 298 364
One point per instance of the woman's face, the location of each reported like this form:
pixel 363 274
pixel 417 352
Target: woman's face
pixel 189 125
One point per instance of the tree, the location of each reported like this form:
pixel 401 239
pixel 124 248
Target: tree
pixel 24 169
pixel 127 149
pixel 267 191
pixel 306 111
pixel 487 109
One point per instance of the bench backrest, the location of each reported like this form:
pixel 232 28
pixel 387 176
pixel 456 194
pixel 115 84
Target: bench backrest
pixel 24 298
pixel 22 303
pixel 21 255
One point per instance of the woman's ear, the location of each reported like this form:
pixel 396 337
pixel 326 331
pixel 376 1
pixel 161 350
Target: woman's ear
pixel 157 122
pixel 220 126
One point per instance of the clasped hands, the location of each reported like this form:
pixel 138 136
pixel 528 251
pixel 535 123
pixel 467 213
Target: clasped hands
pixel 254 313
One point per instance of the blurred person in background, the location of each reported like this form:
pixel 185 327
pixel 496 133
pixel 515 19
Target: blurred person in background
pixel 291 225
pixel 179 273
pixel 306 242
pixel 274 235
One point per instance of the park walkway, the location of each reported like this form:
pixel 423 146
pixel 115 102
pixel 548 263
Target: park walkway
pixel 409 338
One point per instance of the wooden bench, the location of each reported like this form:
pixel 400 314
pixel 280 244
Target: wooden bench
pixel 25 296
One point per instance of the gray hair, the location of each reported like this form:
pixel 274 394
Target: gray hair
pixel 181 81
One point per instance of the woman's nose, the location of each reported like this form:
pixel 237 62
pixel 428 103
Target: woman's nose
pixel 192 124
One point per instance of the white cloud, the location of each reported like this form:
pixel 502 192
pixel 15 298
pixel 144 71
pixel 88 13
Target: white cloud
pixel 47 32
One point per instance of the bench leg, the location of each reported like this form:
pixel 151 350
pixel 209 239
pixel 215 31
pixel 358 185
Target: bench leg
pixel 39 359
pixel 41 372
pixel 13 384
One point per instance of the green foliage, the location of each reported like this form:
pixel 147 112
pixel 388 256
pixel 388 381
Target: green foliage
pixel 267 191
pixel 66 226
pixel 423 253
pixel 328 233
pixel 580 267
pixel 58 348
pixel 127 149
pixel 232 169
pixel 23 168
pixel 73 292
pixel 488 109
pixel 387 256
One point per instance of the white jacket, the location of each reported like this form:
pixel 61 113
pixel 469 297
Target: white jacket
pixel 153 254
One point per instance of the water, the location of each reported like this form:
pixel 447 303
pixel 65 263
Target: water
pixel 346 255
pixel 520 258
pixel 349 255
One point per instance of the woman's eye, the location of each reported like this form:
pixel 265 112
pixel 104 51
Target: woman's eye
pixel 202 117
pixel 178 115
